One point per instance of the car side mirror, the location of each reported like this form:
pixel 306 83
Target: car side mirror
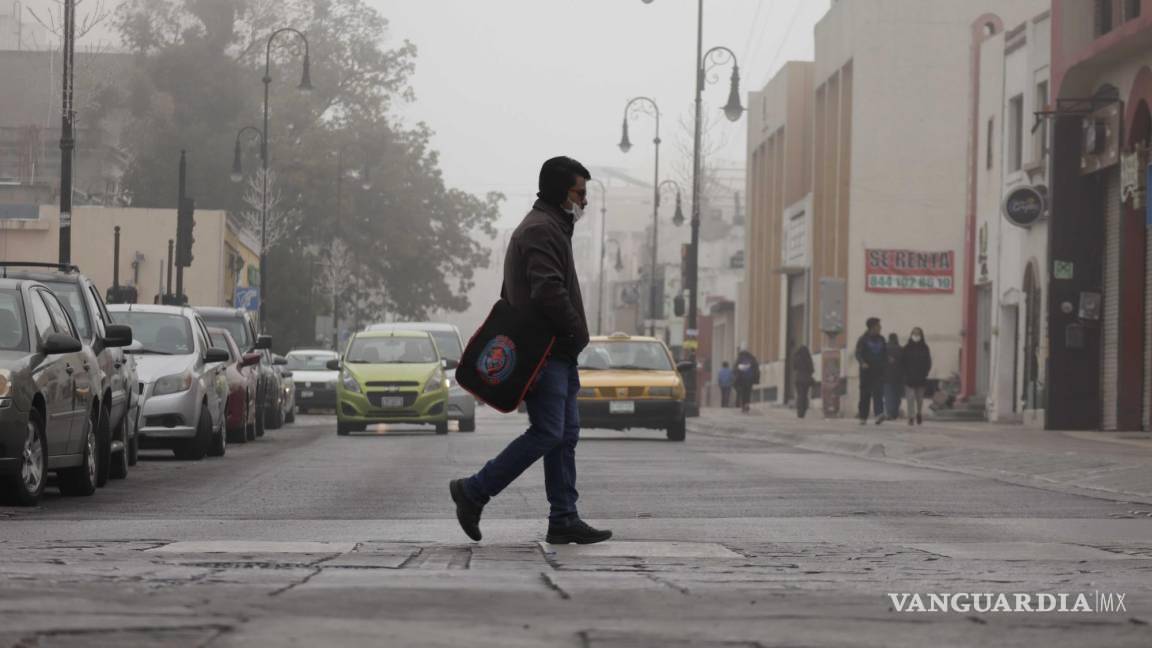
pixel 685 366
pixel 117 336
pixel 250 360
pixel 450 364
pixel 217 355
pixel 279 362
pixel 263 342
pixel 333 365
pixel 59 344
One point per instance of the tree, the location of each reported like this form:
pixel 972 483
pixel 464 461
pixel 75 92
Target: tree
pixel 411 239
pixel 282 221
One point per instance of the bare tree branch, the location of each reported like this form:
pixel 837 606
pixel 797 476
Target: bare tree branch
pixel 282 221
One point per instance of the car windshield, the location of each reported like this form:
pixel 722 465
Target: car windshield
pixel 638 356
pixel 448 343
pixel 300 361
pixel 159 333
pixel 69 293
pixel 237 327
pixel 391 350
pixel 13 330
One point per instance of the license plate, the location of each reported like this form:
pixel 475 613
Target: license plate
pixel 391 401
pixel 307 394
pixel 621 407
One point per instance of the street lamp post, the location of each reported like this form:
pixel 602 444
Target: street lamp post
pixel 603 240
pixel 67 137
pixel 625 146
pixel 732 110
pixel 305 86
pixel 365 184
pixel 619 265
pixel 678 216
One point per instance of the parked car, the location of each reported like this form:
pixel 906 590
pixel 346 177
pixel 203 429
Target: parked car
pixel 631 382
pixel 49 414
pixel 288 397
pixel 114 378
pixel 184 380
pixel 243 374
pixel 391 377
pixel 240 324
pixel 461 404
pixel 315 383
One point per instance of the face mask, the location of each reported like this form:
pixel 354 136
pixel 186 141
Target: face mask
pixel 916 338
pixel 577 212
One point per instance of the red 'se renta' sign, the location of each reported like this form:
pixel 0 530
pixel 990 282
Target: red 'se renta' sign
pixel 907 271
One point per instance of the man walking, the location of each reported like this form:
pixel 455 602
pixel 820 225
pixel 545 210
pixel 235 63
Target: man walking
pixel 872 354
pixel 747 376
pixel 725 379
pixel 540 277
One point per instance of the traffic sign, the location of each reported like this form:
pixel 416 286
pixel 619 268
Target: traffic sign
pixel 247 298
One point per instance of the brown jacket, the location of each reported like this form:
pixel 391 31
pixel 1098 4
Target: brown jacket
pixel 540 274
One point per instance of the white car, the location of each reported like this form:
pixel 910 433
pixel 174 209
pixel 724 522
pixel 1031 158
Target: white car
pixel 315 383
pixel 461 404
pixel 183 380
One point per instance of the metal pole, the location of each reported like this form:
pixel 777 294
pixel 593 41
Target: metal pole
pixel 654 294
pixel 603 242
pixel 690 332
pixel 116 259
pixel 168 289
pixel 67 137
pixel 180 194
pixel 335 235
pixel 264 192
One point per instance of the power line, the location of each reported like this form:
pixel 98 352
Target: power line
pixel 787 33
pixel 752 30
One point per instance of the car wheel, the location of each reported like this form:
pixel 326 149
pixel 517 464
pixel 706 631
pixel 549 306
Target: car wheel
pixel 80 481
pixel 219 445
pixel 119 465
pixel 239 435
pixel 291 417
pixel 103 447
pixel 677 431
pixel 134 438
pixel 468 424
pixel 258 423
pixel 275 420
pixel 442 427
pixel 26 487
pixel 195 448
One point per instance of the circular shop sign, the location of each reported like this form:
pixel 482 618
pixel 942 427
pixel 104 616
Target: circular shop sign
pixel 1025 206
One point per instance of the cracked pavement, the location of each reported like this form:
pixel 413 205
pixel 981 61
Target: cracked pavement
pixel 308 539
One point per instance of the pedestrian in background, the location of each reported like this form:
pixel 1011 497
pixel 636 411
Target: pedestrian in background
pixel 747 375
pixel 893 379
pixel 917 364
pixel 872 354
pixel 802 375
pixel 725 379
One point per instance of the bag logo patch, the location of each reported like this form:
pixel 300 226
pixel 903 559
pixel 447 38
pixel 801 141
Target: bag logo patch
pixel 497 360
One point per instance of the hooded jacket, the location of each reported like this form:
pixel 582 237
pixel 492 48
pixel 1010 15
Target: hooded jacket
pixel 917 363
pixel 540 275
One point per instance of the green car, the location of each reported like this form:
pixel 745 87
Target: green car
pixel 391 377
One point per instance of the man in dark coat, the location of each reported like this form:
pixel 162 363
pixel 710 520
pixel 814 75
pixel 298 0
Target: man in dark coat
pixel 893 378
pixel 747 375
pixel 872 354
pixel 802 372
pixel 540 276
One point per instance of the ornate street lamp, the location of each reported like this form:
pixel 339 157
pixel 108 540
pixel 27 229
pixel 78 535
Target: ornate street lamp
pixel 647 105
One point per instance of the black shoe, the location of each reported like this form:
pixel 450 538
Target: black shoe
pixel 576 531
pixel 467 511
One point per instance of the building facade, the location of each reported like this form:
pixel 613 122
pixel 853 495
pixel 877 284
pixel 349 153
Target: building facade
pixel 1100 303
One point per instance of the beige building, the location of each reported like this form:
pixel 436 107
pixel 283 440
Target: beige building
pixel 877 191
pixel 222 254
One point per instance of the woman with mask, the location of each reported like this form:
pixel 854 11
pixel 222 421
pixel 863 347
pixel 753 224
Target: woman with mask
pixel 916 360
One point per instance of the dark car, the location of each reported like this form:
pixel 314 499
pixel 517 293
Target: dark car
pixel 115 383
pixel 49 411
pixel 269 394
pixel 243 373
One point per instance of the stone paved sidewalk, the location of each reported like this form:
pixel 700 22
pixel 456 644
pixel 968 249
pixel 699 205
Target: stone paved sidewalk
pixel 1116 465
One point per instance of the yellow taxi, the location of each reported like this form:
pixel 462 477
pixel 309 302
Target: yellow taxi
pixel 631 382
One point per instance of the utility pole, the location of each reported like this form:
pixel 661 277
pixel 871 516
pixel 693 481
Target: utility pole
pixel 180 196
pixel 168 289
pixel 67 138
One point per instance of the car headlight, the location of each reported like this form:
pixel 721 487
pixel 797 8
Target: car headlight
pixel 435 383
pixel 5 383
pixel 173 384
pixel 350 382
pixel 661 392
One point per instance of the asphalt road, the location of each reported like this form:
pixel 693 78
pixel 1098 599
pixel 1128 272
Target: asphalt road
pixel 719 542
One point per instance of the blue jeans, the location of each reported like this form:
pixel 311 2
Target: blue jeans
pixel 553 431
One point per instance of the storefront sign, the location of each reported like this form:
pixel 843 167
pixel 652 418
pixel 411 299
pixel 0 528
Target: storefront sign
pixel 795 240
pixel 907 271
pixel 1025 206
